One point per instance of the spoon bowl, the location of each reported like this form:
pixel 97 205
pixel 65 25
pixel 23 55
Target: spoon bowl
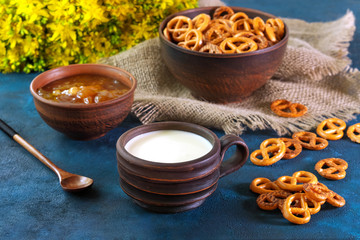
pixel 74 183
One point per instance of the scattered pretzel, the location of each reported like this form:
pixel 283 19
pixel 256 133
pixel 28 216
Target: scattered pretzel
pixel 332 168
pixel 297 215
pixel 331 129
pixel 225 24
pixel 297 204
pixel 353 132
pixel 295 182
pixel 263 185
pixel 335 199
pixel 272 200
pixel 310 141
pixel 271 151
pixel 316 191
pixel 285 108
pixel 293 148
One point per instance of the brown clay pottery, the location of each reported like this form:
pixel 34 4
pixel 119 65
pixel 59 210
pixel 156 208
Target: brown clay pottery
pixel 174 187
pixel 221 78
pixel 84 121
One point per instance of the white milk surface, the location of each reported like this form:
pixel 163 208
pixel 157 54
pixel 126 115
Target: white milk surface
pixel 168 146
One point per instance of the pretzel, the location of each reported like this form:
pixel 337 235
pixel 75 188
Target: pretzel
pixel 238 16
pixel 278 26
pixel 293 148
pixel 210 48
pixel 178 27
pixel 353 132
pixel 217 34
pixel 295 182
pixel 193 39
pixel 223 12
pixel 259 26
pixel 335 199
pixel 310 141
pixel 167 34
pixel 331 129
pixel 242 25
pixel 332 168
pixel 316 191
pixel 261 41
pixel 263 185
pixel 238 45
pixel 272 200
pixel 246 34
pixel 292 213
pixel 201 21
pixel 271 150
pixel 284 108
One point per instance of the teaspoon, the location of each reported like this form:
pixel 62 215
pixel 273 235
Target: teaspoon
pixel 68 181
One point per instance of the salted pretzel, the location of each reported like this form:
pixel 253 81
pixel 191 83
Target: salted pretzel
pixel 335 199
pixel 332 168
pixel 201 21
pixel 278 26
pixel 331 129
pixel 263 185
pixel 285 108
pixel 271 150
pixel 217 34
pixel 210 48
pixel 295 182
pixel 353 132
pixel 238 16
pixel 272 200
pixel 310 141
pixel 316 191
pixel 242 25
pixel 167 34
pixel 193 40
pixel 238 45
pixel 259 26
pixel 178 27
pixel 293 148
pixel 297 215
pixel 223 12
pixel 261 41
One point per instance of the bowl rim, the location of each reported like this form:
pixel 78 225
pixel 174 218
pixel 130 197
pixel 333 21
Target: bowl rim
pixel 79 105
pixel 283 41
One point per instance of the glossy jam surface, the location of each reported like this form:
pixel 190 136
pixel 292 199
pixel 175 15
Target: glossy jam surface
pixel 83 89
pixel 168 146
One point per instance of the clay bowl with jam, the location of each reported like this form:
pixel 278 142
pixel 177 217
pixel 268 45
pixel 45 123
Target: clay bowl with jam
pixel 221 78
pixel 84 117
pixel 170 186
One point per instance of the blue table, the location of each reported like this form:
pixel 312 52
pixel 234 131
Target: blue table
pixel 33 206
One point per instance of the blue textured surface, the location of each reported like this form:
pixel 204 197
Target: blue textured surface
pixel 33 206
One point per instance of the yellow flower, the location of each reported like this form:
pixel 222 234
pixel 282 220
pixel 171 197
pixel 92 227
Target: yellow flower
pixel 40 34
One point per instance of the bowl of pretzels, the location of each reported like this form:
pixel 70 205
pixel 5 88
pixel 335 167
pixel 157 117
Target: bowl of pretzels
pixel 222 54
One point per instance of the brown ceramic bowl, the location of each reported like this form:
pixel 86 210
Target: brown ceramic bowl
pixel 84 121
pixel 221 78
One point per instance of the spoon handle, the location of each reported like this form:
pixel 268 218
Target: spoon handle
pixel 17 138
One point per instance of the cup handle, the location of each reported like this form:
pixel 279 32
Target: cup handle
pixel 238 159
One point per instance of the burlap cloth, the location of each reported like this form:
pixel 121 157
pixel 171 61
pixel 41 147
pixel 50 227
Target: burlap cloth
pixel 315 72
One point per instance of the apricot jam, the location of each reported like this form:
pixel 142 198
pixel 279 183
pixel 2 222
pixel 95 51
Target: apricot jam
pixel 84 89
